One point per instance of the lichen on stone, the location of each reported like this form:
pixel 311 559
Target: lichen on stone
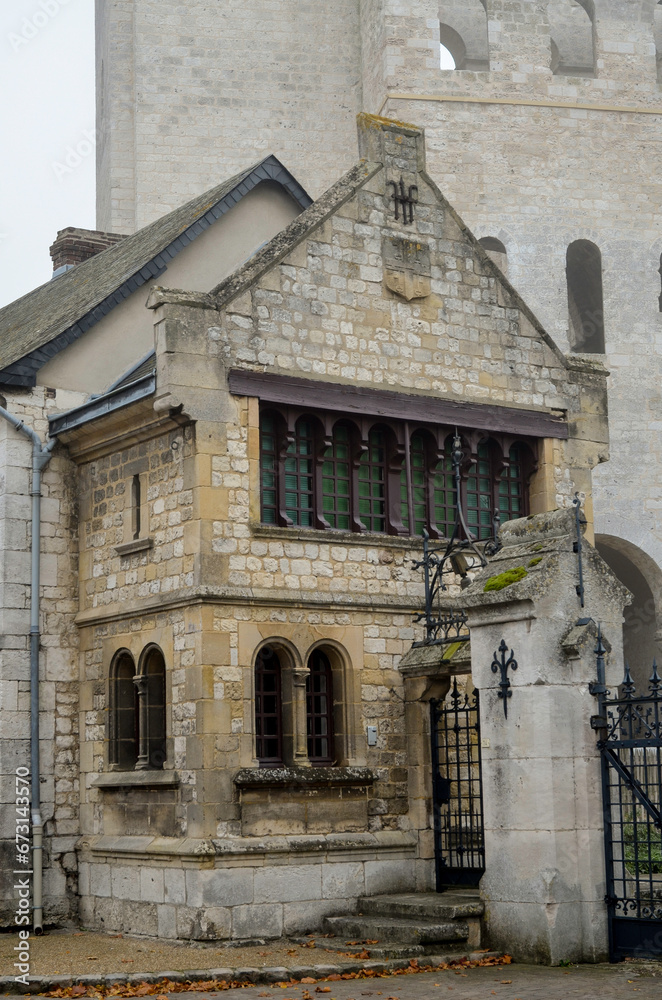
pixel 505 579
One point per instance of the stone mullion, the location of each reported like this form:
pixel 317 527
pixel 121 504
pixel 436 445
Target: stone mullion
pixel 300 716
pixel 142 763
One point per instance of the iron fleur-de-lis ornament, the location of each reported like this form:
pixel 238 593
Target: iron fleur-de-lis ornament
pixel 501 665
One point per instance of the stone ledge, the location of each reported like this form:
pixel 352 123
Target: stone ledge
pixel 135 545
pixel 257 848
pixel 302 777
pixel 262 976
pixel 331 536
pixel 137 779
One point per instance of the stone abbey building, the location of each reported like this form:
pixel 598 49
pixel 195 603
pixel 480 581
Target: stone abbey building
pixel 253 374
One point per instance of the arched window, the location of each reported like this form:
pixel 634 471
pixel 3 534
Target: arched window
pixel 585 303
pixel 496 483
pixel 123 716
pixel 268 708
pixel 432 490
pixel 571 41
pixel 319 709
pixel 387 477
pixel 480 493
pixel 137 718
pixel 152 741
pixel 463 34
pixel 337 480
pixel 299 471
pixel 373 483
pixel 269 468
pixel 496 250
pixel 513 491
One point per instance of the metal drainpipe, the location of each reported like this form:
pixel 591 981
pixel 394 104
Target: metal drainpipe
pixel 41 455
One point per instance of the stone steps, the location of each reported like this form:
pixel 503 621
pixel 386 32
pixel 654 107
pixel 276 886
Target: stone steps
pixel 400 929
pixel 408 925
pixel 450 905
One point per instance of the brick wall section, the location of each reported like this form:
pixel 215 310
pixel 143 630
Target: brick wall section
pixel 73 246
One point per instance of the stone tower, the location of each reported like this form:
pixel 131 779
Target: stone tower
pixel 544 138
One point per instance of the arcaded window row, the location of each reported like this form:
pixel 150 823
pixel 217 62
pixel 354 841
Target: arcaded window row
pixel 327 472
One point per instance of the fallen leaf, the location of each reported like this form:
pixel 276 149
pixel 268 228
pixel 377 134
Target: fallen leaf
pixel 506 982
pixel 368 941
pixel 322 989
pixel 308 979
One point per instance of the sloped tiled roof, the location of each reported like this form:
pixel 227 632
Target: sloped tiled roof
pixel 34 328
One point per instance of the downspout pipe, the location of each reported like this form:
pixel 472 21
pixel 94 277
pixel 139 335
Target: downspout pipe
pixel 41 455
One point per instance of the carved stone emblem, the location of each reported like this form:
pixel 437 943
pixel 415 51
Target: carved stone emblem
pixel 407 269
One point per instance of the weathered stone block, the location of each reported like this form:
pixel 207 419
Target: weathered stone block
pixel 151 885
pixel 174 885
pixel 343 881
pixel 264 920
pixel 287 883
pixel 100 880
pixel 226 886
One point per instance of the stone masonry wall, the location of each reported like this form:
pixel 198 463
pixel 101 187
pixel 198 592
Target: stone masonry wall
pixel 58 718
pixel 182 85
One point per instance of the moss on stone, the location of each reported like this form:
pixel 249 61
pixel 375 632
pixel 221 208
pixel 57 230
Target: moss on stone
pixel 505 579
pixel 534 562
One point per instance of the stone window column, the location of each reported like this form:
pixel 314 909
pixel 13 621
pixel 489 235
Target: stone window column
pixel 300 748
pixel 142 763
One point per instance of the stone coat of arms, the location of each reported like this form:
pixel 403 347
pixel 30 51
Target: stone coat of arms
pixel 407 269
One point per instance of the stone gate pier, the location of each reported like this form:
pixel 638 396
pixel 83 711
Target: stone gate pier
pixel 544 884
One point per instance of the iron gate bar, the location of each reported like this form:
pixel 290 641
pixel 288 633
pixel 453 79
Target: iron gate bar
pixel 634 785
pixel 457 790
pixel 630 744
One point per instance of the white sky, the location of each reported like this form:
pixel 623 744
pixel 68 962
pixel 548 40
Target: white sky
pixel 46 107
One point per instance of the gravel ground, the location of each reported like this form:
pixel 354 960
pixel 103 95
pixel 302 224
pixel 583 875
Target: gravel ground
pixel 71 952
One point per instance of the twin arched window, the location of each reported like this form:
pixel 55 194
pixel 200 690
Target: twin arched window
pixel 385 478
pixel 137 712
pixel 275 713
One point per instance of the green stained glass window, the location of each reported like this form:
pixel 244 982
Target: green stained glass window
pixel 268 469
pixel 512 487
pixel 336 480
pixel 480 495
pixel 372 484
pixel 298 475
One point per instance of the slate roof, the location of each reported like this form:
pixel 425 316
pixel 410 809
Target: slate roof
pixel 34 328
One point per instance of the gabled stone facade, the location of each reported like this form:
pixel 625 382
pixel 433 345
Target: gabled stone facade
pixel 177 560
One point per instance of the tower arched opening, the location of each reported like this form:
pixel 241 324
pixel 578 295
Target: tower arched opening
pixel 643 578
pixel 585 298
pixel 496 250
pixel 463 34
pixel 571 37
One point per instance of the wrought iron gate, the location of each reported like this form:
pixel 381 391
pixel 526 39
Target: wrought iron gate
pixel 457 790
pixel 630 729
